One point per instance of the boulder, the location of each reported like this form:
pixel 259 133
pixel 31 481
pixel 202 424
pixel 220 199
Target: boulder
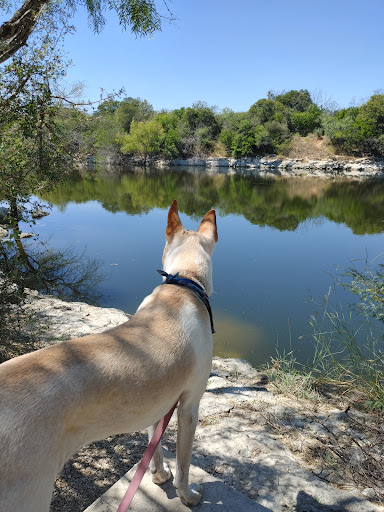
pixel 38 213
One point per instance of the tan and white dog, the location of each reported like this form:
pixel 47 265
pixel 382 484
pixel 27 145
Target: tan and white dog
pixel 59 398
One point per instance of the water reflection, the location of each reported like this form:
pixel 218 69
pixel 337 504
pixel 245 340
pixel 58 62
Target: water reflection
pixel 237 337
pixel 279 203
pixel 279 241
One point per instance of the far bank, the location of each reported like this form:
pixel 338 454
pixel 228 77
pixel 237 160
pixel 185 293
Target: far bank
pixel 270 165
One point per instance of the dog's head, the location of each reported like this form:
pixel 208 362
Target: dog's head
pixel 189 252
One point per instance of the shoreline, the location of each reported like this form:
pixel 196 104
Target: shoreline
pixel 274 166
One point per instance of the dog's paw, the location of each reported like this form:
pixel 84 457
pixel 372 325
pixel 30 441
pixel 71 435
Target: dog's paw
pixel 192 496
pixel 161 475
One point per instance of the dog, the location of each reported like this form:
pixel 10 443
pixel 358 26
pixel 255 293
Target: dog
pixel 55 400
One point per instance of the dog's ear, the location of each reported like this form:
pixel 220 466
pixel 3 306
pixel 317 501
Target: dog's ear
pixel 174 222
pixel 208 226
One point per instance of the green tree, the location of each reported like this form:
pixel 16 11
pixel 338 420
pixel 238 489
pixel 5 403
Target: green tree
pixel 370 117
pixel 307 121
pixel 250 140
pixel 298 101
pixel 133 109
pixel 266 110
pixel 34 148
pixel 107 107
pixel 341 128
pixel 370 125
pixel 144 139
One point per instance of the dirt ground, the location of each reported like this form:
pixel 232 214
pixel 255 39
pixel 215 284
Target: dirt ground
pixel 342 448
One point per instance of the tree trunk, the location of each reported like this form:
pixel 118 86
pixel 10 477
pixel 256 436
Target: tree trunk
pixel 15 32
pixel 14 211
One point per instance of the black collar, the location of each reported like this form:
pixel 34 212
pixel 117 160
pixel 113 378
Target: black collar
pixel 191 285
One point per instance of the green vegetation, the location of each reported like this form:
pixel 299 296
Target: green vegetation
pixel 272 125
pixel 348 363
pixel 282 204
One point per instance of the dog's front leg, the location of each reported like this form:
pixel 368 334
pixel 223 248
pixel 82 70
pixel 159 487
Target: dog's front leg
pixel 159 469
pixel 187 420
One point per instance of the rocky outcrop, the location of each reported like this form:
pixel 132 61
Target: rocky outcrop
pixel 55 320
pixel 362 167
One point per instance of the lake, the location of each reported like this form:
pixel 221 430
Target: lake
pixel 281 241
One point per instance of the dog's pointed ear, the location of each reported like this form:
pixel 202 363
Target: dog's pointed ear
pixel 174 222
pixel 208 226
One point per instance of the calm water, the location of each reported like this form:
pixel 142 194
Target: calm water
pixel 279 241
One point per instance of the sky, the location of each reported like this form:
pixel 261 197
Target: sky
pixel 230 53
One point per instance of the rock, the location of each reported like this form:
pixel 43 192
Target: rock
pixel 369 493
pixel 218 162
pixel 358 168
pixel 59 320
pixel 188 162
pixel 3 232
pixel 38 213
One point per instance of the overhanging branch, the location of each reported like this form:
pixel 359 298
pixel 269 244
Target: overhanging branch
pixel 15 32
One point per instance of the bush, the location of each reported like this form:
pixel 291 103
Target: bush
pixel 305 122
pixel 144 139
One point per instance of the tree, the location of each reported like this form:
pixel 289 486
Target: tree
pixel 298 101
pixel 34 153
pixel 107 107
pixel 141 16
pixel 133 109
pixel 263 110
pixel 305 122
pixel 144 139
pixel 370 118
pixel 341 128
pixel 358 129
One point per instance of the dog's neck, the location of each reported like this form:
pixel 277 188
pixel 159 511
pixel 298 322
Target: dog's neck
pixel 205 281
pixel 191 284
pixel 191 276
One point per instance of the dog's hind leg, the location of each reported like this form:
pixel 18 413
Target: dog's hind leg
pixel 159 469
pixel 187 420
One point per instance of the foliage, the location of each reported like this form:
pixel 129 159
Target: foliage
pixel 368 284
pixel 283 204
pixel 266 110
pixel 359 129
pixel 298 101
pixel 34 149
pixel 268 127
pixel 305 122
pixel 349 349
pixel 132 109
pixel 141 16
pixel 144 139
pixel 340 128
pixel 349 352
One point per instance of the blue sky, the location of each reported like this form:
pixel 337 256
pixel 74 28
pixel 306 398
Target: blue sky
pixel 230 53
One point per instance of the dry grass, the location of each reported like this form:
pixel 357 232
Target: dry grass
pixel 220 151
pixel 310 148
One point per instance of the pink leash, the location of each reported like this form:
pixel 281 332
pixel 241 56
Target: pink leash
pixel 144 463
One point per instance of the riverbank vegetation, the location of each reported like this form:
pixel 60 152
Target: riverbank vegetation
pixel 287 123
pixel 348 361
